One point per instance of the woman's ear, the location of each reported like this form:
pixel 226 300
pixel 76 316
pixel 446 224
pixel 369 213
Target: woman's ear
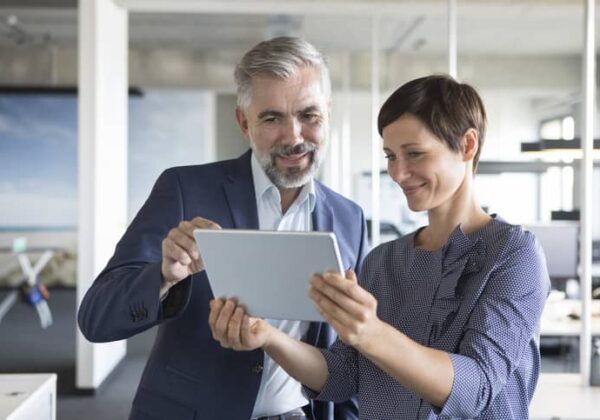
pixel 470 144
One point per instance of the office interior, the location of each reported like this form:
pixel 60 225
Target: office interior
pixel 71 127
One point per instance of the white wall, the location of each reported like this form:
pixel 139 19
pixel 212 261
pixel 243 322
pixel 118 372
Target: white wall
pixel 511 120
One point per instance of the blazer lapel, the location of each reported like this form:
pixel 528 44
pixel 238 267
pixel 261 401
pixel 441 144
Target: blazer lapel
pixel 239 191
pixel 322 216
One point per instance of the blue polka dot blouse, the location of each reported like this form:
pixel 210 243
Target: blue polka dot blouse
pixel 479 298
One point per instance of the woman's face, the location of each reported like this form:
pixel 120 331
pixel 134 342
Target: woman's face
pixel 427 170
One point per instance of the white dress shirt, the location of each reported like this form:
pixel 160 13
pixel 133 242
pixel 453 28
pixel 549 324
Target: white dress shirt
pixel 279 392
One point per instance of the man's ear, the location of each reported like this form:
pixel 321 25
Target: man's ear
pixel 242 121
pixel 470 144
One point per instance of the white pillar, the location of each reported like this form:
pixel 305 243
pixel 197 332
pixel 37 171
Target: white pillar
pixel 346 138
pixel 452 40
pixel 103 85
pixel 375 141
pixel 589 85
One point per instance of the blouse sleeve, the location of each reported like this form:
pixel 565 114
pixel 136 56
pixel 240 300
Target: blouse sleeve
pixel 341 359
pixel 500 328
pixel 342 366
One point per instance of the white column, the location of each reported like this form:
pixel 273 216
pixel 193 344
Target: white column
pixel 375 141
pixel 346 138
pixel 452 40
pixel 103 85
pixel 589 85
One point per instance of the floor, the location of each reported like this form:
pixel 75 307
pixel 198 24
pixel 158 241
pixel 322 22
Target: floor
pixel 26 348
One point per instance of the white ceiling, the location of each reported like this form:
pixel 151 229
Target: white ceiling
pixel 508 27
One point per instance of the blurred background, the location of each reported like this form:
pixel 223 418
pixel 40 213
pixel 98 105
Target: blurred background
pixel 524 57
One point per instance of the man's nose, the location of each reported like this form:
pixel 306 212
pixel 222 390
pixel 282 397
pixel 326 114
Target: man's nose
pixel 292 132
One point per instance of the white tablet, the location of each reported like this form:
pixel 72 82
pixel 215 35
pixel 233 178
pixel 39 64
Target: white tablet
pixel 266 271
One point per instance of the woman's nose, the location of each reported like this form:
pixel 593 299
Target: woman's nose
pixel 398 171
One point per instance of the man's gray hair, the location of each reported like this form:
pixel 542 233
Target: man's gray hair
pixel 279 57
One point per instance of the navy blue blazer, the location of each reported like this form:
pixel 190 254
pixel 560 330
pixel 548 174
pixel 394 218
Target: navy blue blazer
pixel 188 374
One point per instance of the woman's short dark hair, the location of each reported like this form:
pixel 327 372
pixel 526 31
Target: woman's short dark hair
pixel 446 107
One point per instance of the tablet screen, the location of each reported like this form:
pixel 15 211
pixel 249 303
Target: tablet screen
pixel 268 271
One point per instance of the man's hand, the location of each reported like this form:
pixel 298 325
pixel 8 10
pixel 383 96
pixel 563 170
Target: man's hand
pixel 180 256
pixel 233 328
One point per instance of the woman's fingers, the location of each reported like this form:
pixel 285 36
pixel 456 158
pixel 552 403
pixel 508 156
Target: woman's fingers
pixel 347 307
pixel 252 332
pixel 232 327
pixel 215 310
pixel 221 322
pixel 351 275
pixel 332 300
pixel 343 293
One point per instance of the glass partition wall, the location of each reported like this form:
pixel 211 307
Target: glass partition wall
pixel 527 61
pixel 525 58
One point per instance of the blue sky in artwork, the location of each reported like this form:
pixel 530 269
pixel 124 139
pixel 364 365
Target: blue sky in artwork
pixel 38 151
pixel 38 159
pixel 42 129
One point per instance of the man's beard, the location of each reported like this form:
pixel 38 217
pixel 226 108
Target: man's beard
pixel 293 177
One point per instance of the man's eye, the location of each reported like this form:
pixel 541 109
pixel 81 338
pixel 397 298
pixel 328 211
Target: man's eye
pixel 390 157
pixel 311 117
pixel 270 119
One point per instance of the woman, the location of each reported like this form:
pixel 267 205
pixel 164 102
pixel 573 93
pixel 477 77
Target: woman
pixel 444 322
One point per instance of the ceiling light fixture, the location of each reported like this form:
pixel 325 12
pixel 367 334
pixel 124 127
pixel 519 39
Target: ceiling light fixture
pixel 559 149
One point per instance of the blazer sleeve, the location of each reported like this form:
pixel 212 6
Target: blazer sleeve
pixel 124 298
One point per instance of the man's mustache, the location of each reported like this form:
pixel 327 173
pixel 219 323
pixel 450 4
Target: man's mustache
pixel 298 149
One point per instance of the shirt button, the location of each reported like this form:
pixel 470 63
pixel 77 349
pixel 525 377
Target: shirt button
pixel 257 368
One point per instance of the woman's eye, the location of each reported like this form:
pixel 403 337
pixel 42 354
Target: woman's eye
pixel 414 155
pixel 390 157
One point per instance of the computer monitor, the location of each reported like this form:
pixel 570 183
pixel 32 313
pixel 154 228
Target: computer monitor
pixel 560 241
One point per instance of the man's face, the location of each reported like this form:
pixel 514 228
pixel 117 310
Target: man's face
pixel 286 123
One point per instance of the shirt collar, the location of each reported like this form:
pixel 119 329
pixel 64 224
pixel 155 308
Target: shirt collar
pixel 262 184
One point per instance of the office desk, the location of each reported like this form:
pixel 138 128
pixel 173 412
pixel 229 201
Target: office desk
pixel 28 396
pixel 557 323
pixel 561 396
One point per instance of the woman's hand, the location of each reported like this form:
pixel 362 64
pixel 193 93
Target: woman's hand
pixel 347 307
pixel 352 312
pixel 233 328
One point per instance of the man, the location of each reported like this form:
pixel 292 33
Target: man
pixel 156 275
